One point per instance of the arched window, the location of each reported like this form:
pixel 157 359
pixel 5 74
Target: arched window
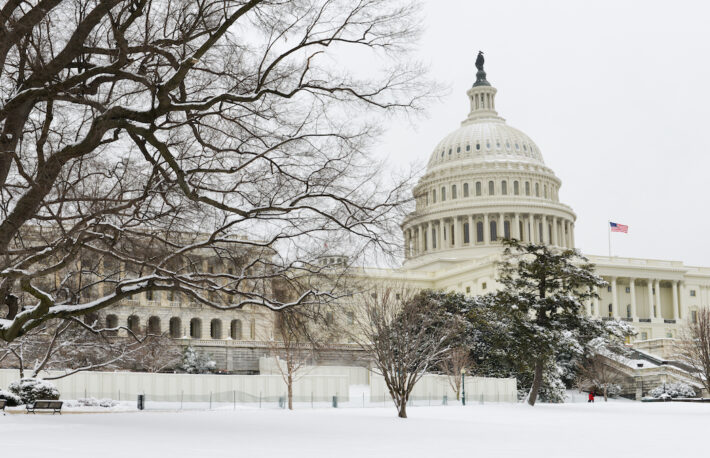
pixel 235 330
pixel 433 196
pixel 465 189
pixel 466 234
pixel 537 189
pixel 527 188
pixel 154 325
pixel 134 324
pixel 504 187
pixel 491 188
pixel 216 329
pixel 112 322
pixel 506 229
pixel 443 194
pixel 196 328
pixel 544 189
pixel 479 231
pixel 494 234
pixel 516 188
pixel 175 327
pixel 453 191
pixel 478 188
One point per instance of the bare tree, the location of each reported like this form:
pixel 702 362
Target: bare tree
pixel 299 334
pixel 406 335
pixel 596 373
pixel 454 363
pixel 71 346
pixel 138 137
pixel 694 346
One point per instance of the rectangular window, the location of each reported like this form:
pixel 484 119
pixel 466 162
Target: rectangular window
pixel 608 288
pixel 468 290
pixel 644 336
pixel 692 293
pixel 628 289
pixel 694 317
pixel 479 232
pixel 491 188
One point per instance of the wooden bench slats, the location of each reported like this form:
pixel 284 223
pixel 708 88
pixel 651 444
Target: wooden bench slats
pixel 55 406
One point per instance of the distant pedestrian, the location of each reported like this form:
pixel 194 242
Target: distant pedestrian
pixel 591 396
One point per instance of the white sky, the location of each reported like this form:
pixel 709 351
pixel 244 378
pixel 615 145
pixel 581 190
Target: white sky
pixel 615 93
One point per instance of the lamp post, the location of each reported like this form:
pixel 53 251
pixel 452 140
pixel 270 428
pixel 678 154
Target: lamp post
pixel 463 386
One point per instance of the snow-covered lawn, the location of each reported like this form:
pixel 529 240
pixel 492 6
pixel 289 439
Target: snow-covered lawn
pixel 614 429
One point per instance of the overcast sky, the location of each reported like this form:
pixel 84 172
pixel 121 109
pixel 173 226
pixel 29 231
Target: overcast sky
pixel 615 93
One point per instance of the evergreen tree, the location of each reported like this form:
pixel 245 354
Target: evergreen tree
pixel 541 303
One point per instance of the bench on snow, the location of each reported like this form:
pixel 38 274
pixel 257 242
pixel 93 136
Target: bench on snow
pixel 54 406
pixel 3 403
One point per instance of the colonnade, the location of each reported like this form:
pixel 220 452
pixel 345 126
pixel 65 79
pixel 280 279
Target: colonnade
pixel 481 229
pixel 627 309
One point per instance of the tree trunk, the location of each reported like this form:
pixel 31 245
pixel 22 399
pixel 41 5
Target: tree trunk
pixel 537 382
pixel 290 391
pixel 458 392
pixel 606 394
pixel 402 409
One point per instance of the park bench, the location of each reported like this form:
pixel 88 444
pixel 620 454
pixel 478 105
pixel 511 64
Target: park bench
pixel 3 403
pixel 54 406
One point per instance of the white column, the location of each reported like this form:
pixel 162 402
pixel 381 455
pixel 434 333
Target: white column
pixel 650 299
pixel 420 240
pixel 501 223
pixel 614 299
pixel 545 237
pixel 571 235
pixel 440 235
pixel 458 237
pixel 486 230
pixel 597 312
pixel 527 229
pixel 659 310
pixel 535 230
pixel 675 300
pixel 471 240
pixel 563 235
pixel 516 231
pixel 632 289
pixel 554 231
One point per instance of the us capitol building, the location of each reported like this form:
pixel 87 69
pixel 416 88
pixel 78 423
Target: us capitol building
pixel 485 181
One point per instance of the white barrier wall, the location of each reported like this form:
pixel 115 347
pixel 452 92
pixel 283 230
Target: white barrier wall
pixel 437 386
pixel 318 384
pixel 356 375
pixel 191 388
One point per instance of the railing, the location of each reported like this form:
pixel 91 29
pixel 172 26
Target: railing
pixel 644 320
pixel 669 321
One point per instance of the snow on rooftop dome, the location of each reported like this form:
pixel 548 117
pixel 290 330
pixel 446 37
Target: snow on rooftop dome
pixel 484 136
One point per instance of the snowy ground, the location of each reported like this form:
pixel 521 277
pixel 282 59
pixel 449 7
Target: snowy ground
pixel 614 429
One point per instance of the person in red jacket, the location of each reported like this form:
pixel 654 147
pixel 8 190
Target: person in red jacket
pixel 591 396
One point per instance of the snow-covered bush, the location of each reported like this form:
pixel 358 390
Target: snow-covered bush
pixel 194 362
pixel 31 389
pixel 673 390
pixel 12 399
pixel 93 402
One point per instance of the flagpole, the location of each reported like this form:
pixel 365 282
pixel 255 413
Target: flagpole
pixel 608 229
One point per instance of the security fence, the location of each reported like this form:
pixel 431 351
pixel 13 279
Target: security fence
pixel 319 388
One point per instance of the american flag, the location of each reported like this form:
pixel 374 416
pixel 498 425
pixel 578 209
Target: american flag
pixel 616 227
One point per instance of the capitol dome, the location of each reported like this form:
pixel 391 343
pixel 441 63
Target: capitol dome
pixel 485 181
